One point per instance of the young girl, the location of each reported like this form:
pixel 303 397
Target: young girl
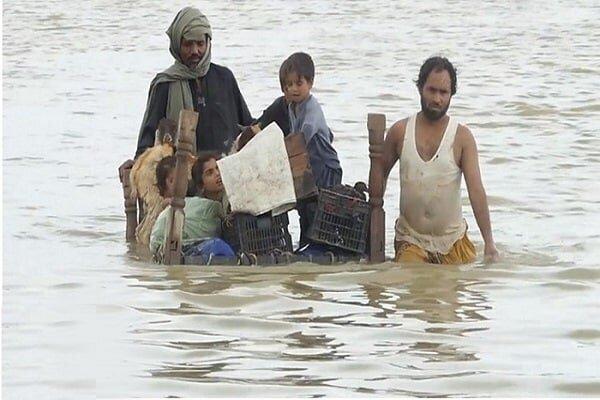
pixel 203 215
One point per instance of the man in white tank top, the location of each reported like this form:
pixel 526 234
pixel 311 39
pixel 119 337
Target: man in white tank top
pixel 435 151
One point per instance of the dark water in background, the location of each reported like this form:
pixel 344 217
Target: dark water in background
pixel 82 316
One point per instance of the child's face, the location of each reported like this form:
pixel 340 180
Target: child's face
pixel 296 88
pixel 211 177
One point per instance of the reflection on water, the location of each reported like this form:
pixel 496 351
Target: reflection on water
pixel 279 328
pixel 86 315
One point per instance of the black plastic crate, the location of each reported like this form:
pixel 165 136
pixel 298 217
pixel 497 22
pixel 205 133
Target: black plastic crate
pixel 342 221
pixel 258 235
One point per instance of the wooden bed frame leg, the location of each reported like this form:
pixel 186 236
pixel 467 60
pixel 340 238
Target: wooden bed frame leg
pixel 188 120
pixel 130 208
pixel 376 127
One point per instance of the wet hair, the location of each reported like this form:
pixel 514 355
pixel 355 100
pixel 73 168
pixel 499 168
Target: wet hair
pixel 198 167
pixel 163 169
pixel 299 63
pixel 437 64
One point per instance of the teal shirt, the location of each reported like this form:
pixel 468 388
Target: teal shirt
pixel 202 221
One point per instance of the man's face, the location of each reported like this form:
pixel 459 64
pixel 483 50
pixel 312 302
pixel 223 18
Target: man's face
pixel 435 95
pixel 296 88
pixel 191 51
pixel 211 177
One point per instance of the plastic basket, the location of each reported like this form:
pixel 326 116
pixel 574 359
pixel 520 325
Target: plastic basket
pixel 258 235
pixel 341 221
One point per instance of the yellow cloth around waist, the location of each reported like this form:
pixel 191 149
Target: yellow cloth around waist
pixel 462 252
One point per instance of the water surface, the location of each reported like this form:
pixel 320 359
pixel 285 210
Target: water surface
pixel 84 316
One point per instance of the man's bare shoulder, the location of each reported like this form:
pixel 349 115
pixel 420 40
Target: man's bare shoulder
pixel 396 135
pixel 464 136
pixel 397 130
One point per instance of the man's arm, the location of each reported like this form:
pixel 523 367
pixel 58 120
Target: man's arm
pixel 155 111
pixel 469 163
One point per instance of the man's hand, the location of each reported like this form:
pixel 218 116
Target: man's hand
pixel 126 165
pixel 490 253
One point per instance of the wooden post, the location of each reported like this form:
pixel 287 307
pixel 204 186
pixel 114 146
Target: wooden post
pixel 304 181
pixel 376 127
pixel 188 120
pixel 130 207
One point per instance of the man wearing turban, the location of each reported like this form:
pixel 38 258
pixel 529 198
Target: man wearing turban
pixel 194 83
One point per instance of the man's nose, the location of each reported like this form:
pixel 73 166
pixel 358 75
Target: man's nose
pixel 195 48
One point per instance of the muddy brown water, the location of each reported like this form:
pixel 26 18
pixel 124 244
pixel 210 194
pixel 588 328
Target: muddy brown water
pixel 84 316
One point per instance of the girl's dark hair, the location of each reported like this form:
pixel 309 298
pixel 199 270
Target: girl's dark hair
pixel 299 63
pixel 198 167
pixel 163 168
pixel 437 64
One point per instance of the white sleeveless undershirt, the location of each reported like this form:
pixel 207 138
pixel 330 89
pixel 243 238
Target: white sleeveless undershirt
pixel 430 198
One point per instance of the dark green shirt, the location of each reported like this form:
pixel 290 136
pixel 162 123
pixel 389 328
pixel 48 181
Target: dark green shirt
pixel 220 105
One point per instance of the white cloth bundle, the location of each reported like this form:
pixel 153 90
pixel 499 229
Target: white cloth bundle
pixel 258 178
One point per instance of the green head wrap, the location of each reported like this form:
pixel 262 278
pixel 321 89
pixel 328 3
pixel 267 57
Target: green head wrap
pixel 190 24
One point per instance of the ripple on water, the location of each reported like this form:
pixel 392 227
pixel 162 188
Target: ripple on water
pixel 67 285
pixel 86 234
pixel 501 160
pixel 582 274
pixel 24 158
pixel 581 388
pixel 568 286
pixel 585 334
pixel 530 109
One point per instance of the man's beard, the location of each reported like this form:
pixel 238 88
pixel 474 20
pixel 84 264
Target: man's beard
pixel 431 114
pixel 193 63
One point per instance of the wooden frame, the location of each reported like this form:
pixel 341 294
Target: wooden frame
pixel 376 127
pixel 130 207
pixel 186 139
pixel 303 182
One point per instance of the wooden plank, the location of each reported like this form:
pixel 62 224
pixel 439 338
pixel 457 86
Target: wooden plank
pixel 304 181
pixel 186 147
pixel 376 127
pixel 299 163
pixel 295 144
pixel 130 207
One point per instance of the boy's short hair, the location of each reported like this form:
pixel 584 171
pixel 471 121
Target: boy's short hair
pixel 299 63
pixel 163 168
pixel 198 167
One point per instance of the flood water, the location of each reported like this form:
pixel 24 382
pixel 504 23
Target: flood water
pixel 84 316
